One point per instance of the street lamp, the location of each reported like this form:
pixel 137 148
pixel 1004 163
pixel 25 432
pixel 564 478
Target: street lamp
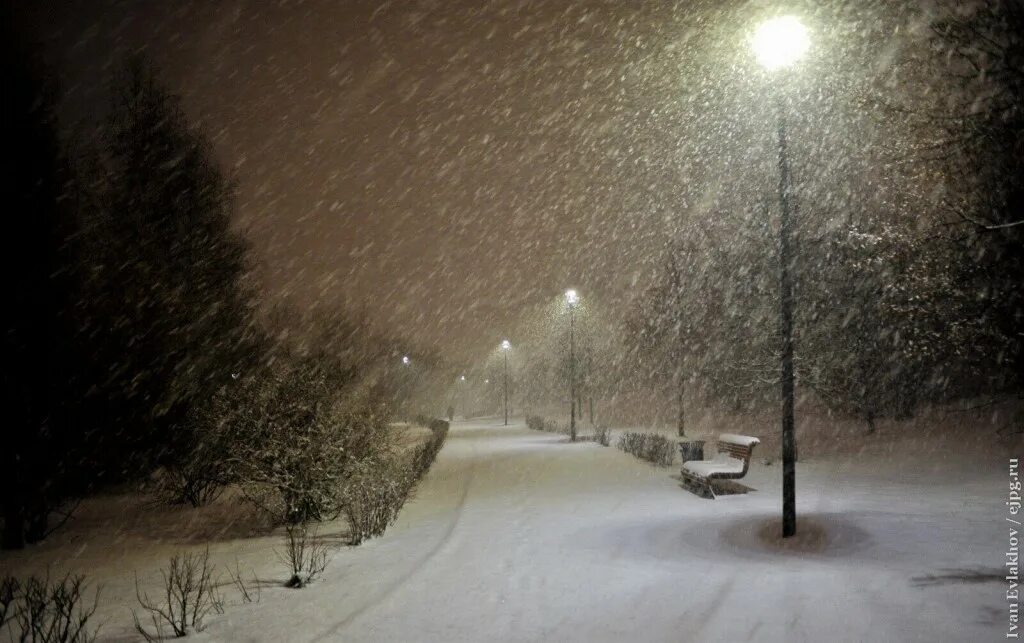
pixel 780 42
pixel 571 299
pixel 505 347
pixel 777 44
pixel 405 360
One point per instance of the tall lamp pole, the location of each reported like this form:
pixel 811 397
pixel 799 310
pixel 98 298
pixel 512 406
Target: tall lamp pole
pixel 571 298
pixel 778 43
pixel 505 346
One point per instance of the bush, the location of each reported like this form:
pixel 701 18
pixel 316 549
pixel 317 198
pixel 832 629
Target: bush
pixel 191 483
pixel 39 612
pixel 299 440
pixel 203 465
pixel 190 594
pixel 377 490
pixel 603 435
pixel 552 426
pixel 372 499
pixel 436 425
pixel 305 554
pixel 538 423
pixel 425 454
pixel 652 447
pixel 9 590
pixel 247 595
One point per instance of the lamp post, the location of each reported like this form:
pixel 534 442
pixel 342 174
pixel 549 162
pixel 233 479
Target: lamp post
pixel 505 347
pixel 571 298
pixel 777 44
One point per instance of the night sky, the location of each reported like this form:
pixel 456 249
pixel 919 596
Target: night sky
pixel 448 165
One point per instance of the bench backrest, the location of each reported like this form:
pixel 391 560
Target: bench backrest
pixel 740 447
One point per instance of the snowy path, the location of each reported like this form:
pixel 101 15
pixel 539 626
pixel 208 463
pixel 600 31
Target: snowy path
pixel 519 536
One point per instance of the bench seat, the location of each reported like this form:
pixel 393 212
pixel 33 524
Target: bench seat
pixel 712 468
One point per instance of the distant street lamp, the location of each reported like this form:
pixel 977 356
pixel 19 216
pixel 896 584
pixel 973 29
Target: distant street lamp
pixel 571 299
pixel 777 44
pixel 505 347
pixel 405 360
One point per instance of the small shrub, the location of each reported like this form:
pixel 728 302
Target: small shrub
pixel 246 594
pixel 372 498
pixel 201 466
pixel 190 594
pixel 305 554
pixel 421 419
pixel 9 591
pixel 603 435
pixel 652 447
pixel 295 437
pixel 535 422
pixel 41 612
pixel 193 483
pixel 378 488
pixel 553 426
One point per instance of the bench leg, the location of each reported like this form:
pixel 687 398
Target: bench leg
pixel 699 486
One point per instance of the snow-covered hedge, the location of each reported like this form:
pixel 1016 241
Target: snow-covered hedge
pixel 652 447
pixel 378 488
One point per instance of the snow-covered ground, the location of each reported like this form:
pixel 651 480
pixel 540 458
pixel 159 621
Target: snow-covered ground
pixel 517 535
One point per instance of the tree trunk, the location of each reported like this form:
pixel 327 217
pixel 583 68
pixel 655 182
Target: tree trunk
pixel 871 421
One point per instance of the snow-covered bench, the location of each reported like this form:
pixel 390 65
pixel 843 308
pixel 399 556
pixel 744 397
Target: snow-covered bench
pixel 731 463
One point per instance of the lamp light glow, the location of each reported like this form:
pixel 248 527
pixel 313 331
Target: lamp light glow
pixel 780 42
pixel 571 297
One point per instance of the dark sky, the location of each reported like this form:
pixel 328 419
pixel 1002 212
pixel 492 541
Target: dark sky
pixel 446 163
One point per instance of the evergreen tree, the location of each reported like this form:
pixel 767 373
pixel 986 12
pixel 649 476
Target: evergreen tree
pixel 171 296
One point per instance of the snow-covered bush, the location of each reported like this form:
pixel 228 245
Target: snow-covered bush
pixel 554 426
pixel 652 447
pixel 203 468
pixel 305 554
pixel 425 454
pixel 373 496
pixel 378 488
pixel 44 612
pixel 190 594
pixel 535 422
pixel 603 435
pixel 297 438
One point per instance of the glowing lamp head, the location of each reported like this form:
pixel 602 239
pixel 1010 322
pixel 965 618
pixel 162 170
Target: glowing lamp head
pixel 505 345
pixel 462 378
pixel 571 297
pixel 780 42
pixel 405 360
